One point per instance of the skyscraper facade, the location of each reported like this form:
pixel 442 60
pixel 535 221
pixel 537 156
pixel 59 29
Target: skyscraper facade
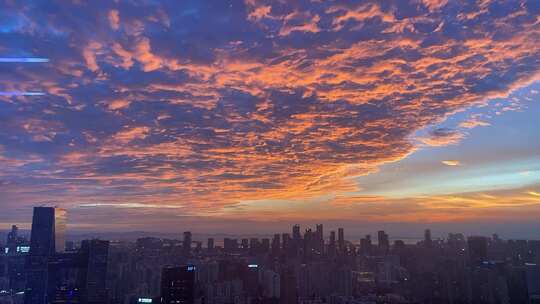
pixel 187 242
pixel 341 239
pixel 384 241
pixel 178 285
pixel 46 238
pixel 95 254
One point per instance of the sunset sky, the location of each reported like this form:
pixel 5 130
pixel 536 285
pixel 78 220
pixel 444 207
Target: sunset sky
pixel 253 115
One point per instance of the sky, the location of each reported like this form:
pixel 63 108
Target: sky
pixel 251 115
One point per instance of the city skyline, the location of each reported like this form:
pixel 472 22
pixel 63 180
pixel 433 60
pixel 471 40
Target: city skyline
pixel 247 116
pixel 301 266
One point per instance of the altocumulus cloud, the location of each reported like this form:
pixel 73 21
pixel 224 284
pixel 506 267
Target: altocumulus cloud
pixel 202 104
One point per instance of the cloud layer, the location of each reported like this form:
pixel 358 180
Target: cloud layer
pixel 204 104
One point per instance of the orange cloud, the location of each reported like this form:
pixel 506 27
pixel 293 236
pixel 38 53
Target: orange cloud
pixel 129 134
pixel 451 162
pixel 125 56
pixel 327 95
pixel 308 24
pixel 534 193
pixel 434 4
pixel 260 13
pixel 114 19
pixel 445 138
pixel 473 123
pixel 143 54
pixel 89 55
pixel 119 104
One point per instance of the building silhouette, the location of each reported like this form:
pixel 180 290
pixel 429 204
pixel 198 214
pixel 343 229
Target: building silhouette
pixel 178 285
pixel 47 237
pixel 54 276
pixel 94 254
pixel 478 247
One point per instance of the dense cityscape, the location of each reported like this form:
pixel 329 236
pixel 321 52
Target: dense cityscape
pixel 270 152
pixel 305 266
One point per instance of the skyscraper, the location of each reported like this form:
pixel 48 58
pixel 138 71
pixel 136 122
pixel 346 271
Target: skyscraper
pixel 48 229
pixel 12 239
pixel 365 245
pixel 17 249
pixel 427 238
pixel 384 242
pixel 296 232
pixel 341 239
pixel 95 253
pixel 477 248
pixel 332 244
pixel 276 244
pixel 319 238
pixel 288 288
pixel 178 285
pixel 186 245
pixel 47 237
pixel 60 222
pixel 286 242
pixel 319 232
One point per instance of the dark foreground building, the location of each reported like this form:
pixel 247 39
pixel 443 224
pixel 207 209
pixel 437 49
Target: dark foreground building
pixel 47 236
pixel 178 285
pixel 54 276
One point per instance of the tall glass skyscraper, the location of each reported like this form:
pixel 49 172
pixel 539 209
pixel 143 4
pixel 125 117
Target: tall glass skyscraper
pixel 60 222
pixel 47 238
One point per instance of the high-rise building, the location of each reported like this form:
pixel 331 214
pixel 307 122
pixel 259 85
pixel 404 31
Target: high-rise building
pixel 78 276
pixel 17 252
pixel 332 243
pixel 271 284
pixel 286 242
pixel 251 282
pixel 265 245
pixel 12 239
pixel 48 229
pixel 210 244
pixel 95 254
pixel 60 223
pixel 288 288
pixel 384 242
pixel 186 244
pixel 47 238
pixel 427 238
pixel 341 239
pixel 319 232
pixel 178 285
pixel 276 244
pixel 365 245
pixel 230 245
pixel 254 246
pixel 477 248
pixel 245 244
pixel 296 232
pixel 319 238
